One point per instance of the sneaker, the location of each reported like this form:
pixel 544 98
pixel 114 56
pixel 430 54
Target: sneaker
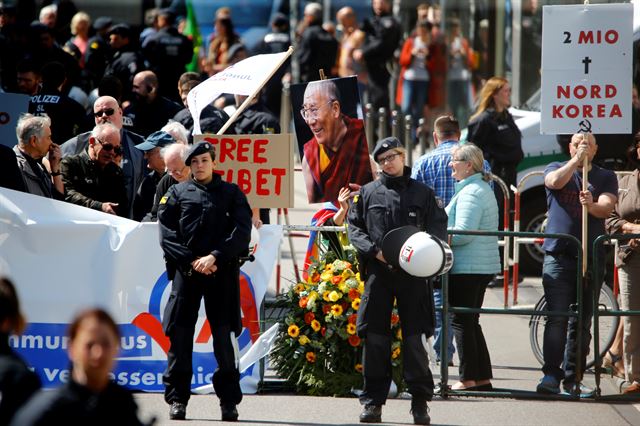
pixel 371 414
pixel 178 411
pixel 585 391
pixel 420 412
pixel 229 412
pixel 633 388
pixel 549 385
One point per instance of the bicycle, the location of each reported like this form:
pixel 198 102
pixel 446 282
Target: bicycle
pixel 608 326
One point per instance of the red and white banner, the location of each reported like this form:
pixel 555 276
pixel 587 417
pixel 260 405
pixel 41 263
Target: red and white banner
pixel 64 258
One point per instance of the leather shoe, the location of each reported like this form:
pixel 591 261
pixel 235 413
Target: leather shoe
pixel 229 412
pixel 420 412
pixel 178 411
pixel 371 414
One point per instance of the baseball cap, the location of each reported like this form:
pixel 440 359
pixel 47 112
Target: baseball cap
pixel 156 140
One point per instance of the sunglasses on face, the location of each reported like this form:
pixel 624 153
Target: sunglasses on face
pixel 117 150
pixel 108 112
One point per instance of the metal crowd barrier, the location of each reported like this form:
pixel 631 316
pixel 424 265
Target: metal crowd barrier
pixel 445 391
pixel 596 314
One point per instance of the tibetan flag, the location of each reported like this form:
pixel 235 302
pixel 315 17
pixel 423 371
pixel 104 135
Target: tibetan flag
pixel 192 31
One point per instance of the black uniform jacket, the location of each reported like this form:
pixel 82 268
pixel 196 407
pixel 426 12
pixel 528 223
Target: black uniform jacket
pixel 197 220
pixel 389 203
pixel 17 382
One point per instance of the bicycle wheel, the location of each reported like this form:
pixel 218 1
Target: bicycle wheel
pixel 607 326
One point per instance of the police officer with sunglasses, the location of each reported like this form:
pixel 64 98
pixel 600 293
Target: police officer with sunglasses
pixel 94 178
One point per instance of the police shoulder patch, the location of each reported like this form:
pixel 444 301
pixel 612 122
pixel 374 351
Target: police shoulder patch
pixel 94 45
pixel 164 199
pixel 356 198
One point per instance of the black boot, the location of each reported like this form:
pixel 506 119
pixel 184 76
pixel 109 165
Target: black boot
pixel 420 413
pixel 229 412
pixel 371 414
pixel 178 411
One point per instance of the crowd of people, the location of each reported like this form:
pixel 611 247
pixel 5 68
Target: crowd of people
pixel 108 129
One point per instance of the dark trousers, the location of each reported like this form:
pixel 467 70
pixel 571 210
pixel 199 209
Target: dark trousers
pixel 415 308
pixel 467 291
pixel 180 316
pixel 560 333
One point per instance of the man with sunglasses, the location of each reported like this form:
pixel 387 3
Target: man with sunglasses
pixel 93 178
pixel 107 110
pixel 337 155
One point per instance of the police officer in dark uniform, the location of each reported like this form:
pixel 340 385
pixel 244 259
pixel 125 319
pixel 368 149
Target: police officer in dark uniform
pixel 392 201
pixel 168 52
pixel 205 225
pixel 383 35
pixel 98 51
pixel 126 61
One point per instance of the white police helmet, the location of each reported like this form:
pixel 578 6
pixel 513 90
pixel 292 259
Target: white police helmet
pixel 416 252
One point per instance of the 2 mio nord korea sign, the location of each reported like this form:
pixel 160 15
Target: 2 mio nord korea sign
pixel 586 68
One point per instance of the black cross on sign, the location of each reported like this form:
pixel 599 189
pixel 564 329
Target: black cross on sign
pixel 586 61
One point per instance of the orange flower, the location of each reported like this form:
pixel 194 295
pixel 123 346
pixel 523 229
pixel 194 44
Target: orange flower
pixel 396 353
pixel 308 317
pixel 326 308
pixel 311 357
pixel 293 330
pixel 354 294
pixel 315 277
pixel 354 340
pixel 315 325
pixel 303 302
pixel 353 318
pixel 358 368
pixel 323 331
pixel 336 279
pixel 394 319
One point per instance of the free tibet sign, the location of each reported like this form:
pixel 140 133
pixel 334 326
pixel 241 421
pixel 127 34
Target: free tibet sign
pixel 586 69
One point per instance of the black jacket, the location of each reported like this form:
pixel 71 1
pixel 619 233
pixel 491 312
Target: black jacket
pixel 383 38
pixel 17 382
pixel 73 404
pixel 257 120
pixel 147 118
pixel 143 201
pixel 124 65
pixel 317 50
pixel 498 136
pixel 88 185
pixel 389 203
pixel 67 116
pixel 10 177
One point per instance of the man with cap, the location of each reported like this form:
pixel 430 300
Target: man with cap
pixel 143 200
pixel 205 226
pixel 168 52
pixel 337 154
pixel 98 50
pixel 126 60
pixel 390 202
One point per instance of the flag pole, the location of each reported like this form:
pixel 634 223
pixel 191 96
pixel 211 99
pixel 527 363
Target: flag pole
pixel 247 101
pixel 585 212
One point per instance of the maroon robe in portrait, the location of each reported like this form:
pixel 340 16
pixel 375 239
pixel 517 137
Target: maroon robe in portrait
pixel 349 165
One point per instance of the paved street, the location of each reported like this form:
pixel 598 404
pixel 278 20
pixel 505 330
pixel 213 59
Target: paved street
pixel 514 367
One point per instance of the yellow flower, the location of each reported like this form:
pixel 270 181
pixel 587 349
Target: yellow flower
pixel 361 287
pixel 396 353
pixel 343 287
pixel 329 267
pixel 326 276
pixel 299 288
pixel 325 296
pixel 399 334
pixel 303 340
pixel 315 325
pixel 336 311
pixel 351 328
pixel 311 357
pixel 293 331
pixel 334 296
pixel 355 304
pixel 347 273
pixel 358 368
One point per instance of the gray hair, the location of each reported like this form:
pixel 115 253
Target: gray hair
pixel 174 149
pixel 103 128
pixel 315 10
pixel 177 131
pixel 52 8
pixel 471 153
pixel 31 125
pixel 326 86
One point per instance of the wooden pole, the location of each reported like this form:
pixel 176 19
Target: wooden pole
pixel 247 101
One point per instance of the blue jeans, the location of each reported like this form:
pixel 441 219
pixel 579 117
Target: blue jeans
pixel 560 333
pixel 437 336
